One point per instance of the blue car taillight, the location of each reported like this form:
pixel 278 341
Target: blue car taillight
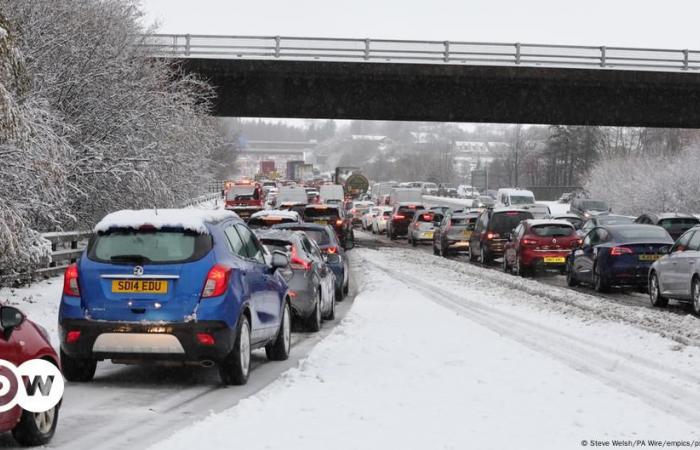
pixel 217 281
pixel 70 281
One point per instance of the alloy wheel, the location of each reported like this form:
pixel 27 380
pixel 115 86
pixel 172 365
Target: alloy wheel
pixel 244 349
pixel 44 420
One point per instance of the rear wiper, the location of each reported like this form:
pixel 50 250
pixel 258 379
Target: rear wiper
pixel 130 258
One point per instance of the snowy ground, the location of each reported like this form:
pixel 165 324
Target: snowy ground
pixel 431 357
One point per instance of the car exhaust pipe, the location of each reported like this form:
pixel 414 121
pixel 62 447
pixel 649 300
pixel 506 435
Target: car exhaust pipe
pixel 207 363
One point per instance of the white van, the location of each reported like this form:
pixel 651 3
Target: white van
pixel 521 199
pixel 332 193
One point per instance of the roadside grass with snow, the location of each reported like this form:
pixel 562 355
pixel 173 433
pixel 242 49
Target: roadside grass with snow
pixel 432 358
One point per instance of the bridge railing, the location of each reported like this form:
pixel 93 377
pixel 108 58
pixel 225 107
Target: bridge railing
pixel 413 51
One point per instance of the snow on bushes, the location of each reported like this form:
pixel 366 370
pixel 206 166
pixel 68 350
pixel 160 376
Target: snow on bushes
pixel 635 184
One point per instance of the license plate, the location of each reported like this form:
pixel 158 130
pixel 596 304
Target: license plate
pixel 140 286
pixel 555 259
pixel 428 234
pixel 649 257
pixel 321 222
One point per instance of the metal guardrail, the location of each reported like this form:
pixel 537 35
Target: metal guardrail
pixel 413 51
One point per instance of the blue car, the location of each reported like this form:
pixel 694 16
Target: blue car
pixel 327 240
pixel 617 255
pixel 189 286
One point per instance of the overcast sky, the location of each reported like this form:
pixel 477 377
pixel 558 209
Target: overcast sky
pixel 640 23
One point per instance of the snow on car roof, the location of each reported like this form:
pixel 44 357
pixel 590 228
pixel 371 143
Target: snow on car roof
pixel 536 222
pixel 187 218
pixel 277 212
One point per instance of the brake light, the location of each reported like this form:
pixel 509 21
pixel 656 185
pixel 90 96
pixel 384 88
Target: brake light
pixel 339 222
pixel 70 281
pixel 298 263
pixel 217 281
pixel 576 243
pixel 618 251
pixel 72 336
pixel 399 216
pixel 529 242
pixel 490 235
pixel 332 250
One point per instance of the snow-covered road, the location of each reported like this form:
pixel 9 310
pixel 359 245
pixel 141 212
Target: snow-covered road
pixel 433 357
pixel 136 406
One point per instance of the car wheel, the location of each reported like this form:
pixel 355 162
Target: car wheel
pixel 435 250
pixel 695 289
pixel 571 280
pixel 413 241
pixel 346 288
pixel 518 268
pixel 235 368
pixel 279 350
pixel 506 267
pixel 331 313
pixel 599 283
pixel 472 256
pixel 444 252
pixel 36 428
pixel 484 257
pixel 77 369
pixel 314 321
pixel 655 296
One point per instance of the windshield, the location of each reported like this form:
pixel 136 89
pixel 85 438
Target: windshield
pixel 268 221
pixel 678 223
pixel 504 222
pixel 310 213
pixel 552 230
pixel 152 246
pixel 521 200
pixel 614 220
pixel 595 205
pixel 642 233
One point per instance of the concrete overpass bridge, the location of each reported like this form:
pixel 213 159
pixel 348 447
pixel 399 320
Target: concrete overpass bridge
pixel 376 79
pixel 278 148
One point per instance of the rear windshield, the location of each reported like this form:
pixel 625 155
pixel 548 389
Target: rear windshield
pixel 642 233
pixel 276 244
pixel 594 205
pixel 468 222
pixel 320 212
pixel 552 230
pixel 407 211
pixel 504 222
pixel 127 246
pixel 614 220
pixel 264 222
pixel 679 223
pixel 241 193
pixel 319 236
pixel 521 200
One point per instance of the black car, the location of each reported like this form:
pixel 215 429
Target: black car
pixel 453 233
pixel 617 255
pixel 604 219
pixel 492 230
pixel 586 207
pixel 309 278
pixel 332 215
pixel 327 241
pixel 401 217
pixel 676 224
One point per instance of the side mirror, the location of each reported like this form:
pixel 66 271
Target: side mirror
pixel 10 318
pixel 279 260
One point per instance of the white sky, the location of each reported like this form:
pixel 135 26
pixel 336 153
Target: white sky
pixel 640 23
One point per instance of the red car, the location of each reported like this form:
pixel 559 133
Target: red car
pixel 244 198
pixel 22 340
pixel 539 245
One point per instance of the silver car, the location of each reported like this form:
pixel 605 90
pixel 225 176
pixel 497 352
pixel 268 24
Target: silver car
pixel 677 275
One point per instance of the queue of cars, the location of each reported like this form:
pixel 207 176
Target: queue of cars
pixel 658 253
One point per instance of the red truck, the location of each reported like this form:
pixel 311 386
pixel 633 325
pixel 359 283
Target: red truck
pixel 267 167
pixel 244 198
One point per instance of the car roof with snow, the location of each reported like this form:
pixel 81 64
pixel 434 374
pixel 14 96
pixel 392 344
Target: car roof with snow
pixel 511 191
pixel 509 209
pixel 277 234
pixel 189 219
pixel 669 215
pixel 282 213
pixel 537 222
